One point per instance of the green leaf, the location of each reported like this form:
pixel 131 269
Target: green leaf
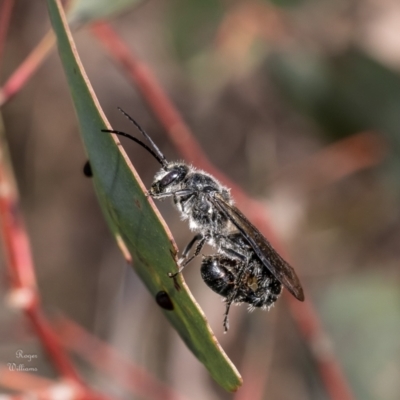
pixel 132 217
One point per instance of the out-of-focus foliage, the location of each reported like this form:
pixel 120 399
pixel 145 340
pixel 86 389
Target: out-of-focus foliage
pixel 346 93
pixel 193 25
pixel 85 11
pixel 363 315
pixel 285 3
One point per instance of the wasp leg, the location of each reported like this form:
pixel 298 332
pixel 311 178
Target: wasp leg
pixel 199 246
pixel 189 246
pixel 232 297
pixel 183 192
pixel 226 321
pixel 185 260
pixel 159 196
pixel 185 202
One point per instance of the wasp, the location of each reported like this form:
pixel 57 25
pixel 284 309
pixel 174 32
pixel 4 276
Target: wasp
pixel 246 268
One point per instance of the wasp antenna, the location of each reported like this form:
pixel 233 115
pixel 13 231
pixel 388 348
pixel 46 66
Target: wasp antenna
pixel 160 155
pixel 161 161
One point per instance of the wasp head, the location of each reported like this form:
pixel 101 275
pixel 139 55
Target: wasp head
pixel 169 178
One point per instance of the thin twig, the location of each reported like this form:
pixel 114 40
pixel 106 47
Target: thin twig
pixel 304 313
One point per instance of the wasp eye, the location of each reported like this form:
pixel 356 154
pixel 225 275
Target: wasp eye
pixel 174 176
pixel 169 178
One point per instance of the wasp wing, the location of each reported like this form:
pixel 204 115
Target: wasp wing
pixel 265 252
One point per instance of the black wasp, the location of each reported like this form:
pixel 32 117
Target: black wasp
pixel 246 267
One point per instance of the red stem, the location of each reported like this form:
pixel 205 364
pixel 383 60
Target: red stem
pixel 27 68
pixel 304 314
pixel 5 16
pixel 24 294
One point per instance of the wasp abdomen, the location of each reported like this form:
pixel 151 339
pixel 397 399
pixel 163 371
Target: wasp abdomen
pixel 217 276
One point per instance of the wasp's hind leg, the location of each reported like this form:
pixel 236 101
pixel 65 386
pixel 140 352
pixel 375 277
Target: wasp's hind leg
pixel 234 294
pixel 226 320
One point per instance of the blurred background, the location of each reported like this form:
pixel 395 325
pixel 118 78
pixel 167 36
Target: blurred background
pixel 298 101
